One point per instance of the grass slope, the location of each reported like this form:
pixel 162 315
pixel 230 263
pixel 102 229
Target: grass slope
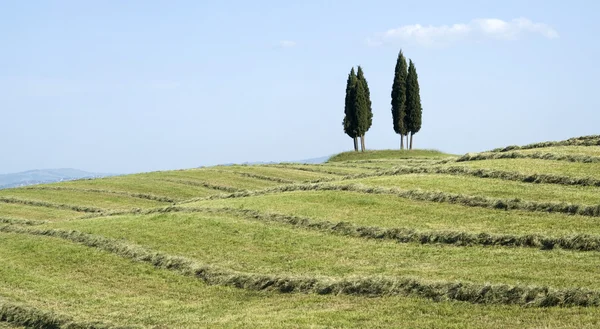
pixel 88 285
pixel 410 227
pixel 390 212
pixel 262 248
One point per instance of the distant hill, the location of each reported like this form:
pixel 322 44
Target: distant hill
pixel 42 176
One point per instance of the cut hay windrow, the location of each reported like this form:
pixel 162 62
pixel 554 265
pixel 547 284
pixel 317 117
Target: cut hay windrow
pixel 19 315
pixel 341 165
pixel 51 205
pixel 18 221
pixel 576 242
pixel 123 193
pixel 536 155
pixel 257 176
pixel 429 196
pixel 202 184
pixel 307 167
pixel 483 173
pixel 592 140
pixel 359 286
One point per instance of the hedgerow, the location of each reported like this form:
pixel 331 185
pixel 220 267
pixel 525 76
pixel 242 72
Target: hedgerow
pixel 360 286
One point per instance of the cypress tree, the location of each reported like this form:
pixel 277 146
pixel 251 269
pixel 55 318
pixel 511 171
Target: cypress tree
pixel 413 102
pixel 399 98
pixel 350 122
pixel 363 109
pixel 361 104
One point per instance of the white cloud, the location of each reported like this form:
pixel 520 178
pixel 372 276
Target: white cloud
pixel 481 28
pixel 287 44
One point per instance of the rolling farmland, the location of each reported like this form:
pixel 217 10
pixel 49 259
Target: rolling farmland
pixel 507 238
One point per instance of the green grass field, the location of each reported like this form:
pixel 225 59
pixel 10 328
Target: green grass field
pixel 487 187
pixel 534 166
pixel 349 243
pixel 389 211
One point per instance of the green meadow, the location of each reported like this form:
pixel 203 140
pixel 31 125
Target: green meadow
pixel 351 243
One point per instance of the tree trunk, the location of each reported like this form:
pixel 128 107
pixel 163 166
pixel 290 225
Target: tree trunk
pixel 355 144
pixel 401 142
pixel 363 143
pixel 411 139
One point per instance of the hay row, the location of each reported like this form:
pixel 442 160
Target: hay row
pixel 360 286
pixel 17 221
pixel 306 167
pixel 19 315
pixel 123 193
pixel 51 205
pixel 483 173
pixel 203 184
pixel 430 196
pixel 576 242
pixel 592 140
pixel 536 155
pixel 261 177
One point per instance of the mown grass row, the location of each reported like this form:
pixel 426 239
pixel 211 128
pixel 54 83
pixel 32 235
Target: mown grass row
pixel 19 315
pixel 51 205
pixel 592 140
pixel 366 286
pixel 17 221
pixel 430 196
pixel 144 196
pixel 307 167
pixel 483 173
pixel 203 184
pixel 257 176
pixel 577 242
pixel 536 155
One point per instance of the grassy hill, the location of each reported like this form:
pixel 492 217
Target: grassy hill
pixel 508 238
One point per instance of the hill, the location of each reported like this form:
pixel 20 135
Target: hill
pixel 508 238
pixel 42 176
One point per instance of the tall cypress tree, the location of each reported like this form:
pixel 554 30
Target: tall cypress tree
pixel 399 98
pixel 350 122
pixel 413 102
pixel 364 110
pixel 361 104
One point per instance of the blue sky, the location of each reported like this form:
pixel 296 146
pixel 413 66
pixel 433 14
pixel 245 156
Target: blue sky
pixel 132 86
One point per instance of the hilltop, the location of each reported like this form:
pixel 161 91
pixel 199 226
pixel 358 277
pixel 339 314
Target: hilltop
pixel 506 238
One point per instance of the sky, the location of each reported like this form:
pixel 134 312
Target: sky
pixel 136 86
